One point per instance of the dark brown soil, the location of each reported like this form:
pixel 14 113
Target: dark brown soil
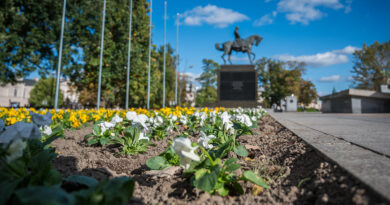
pixel 296 173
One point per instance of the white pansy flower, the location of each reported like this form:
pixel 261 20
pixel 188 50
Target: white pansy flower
pixel 243 118
pixel 184 149
pixel 254 118
pixel 20 130
pixel 142 135
pixel 158 120
pixel 15 150
pixel 183 119
pixel 116 119
pixel 47 130
pixel 204 140
pixel 203 117
pixel 226 122
pixel 105 126
pixel 131 115
pixel 137 119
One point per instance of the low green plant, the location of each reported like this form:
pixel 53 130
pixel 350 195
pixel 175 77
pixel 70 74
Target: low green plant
pixel 100 138
pixel 217 177
pixel 131 142
pixel 30 179
pixel 166 159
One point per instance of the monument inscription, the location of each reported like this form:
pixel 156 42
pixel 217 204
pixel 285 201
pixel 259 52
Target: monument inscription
pixel 237 86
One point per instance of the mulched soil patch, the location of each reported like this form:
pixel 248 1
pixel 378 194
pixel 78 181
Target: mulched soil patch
pixel 297 174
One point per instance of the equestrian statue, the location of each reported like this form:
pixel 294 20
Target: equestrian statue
pixel 239 45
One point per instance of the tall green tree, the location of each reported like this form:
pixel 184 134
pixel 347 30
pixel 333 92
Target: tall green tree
pixel 29 38
pixel 208 81
pixel 307 92
pixel 279 79
pixel 372 65
pixel 43 93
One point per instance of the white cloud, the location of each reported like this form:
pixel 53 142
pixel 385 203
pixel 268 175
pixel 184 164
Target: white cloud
pixel 330 79
pixel 266 19
pixel 304 11
pixel 348 7
pixel 347 50
pixel 213 15
pixel 323 93
pixel 321 59
pixel 191 76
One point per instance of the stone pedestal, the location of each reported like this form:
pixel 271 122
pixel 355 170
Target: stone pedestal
pixel 237 86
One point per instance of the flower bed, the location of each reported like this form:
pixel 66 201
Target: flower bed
pixel 193 156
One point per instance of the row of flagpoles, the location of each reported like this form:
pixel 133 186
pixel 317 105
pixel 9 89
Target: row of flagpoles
pixel 128 55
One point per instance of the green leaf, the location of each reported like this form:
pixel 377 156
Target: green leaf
pixel 53 178
pixel 93 141
pixel 157 163
pixel 240 151
pixel 206 182
pixel 200 172
pixel 223 191
pixel 232 167
pixel 103 141
pixel 117 191
pixel 237 187
pixel 7 188
pixel 84 180
pixel 230 161
pixel 96 130
pixel 254 178
pixel 43 195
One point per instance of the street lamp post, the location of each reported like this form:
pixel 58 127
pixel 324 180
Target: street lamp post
pixel 128 57
pixel 60 58
pixel 150 48
pixel 101 57
pixel 165 43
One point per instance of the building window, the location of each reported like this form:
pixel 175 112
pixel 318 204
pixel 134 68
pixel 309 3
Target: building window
pixel 15 92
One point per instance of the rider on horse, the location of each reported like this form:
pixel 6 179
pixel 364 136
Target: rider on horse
pixel 237 41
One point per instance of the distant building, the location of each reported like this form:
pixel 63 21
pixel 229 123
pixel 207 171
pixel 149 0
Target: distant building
pixel 190 94
pixel 17 95
pixel 357 101
pixel 289 103
pixel 316 104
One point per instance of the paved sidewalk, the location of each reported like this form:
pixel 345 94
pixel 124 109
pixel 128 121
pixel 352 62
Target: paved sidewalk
pixel 360 143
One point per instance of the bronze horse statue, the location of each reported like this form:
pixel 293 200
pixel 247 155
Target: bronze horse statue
pixel 244 45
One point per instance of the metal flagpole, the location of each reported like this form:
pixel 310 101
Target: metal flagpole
pixel 60 57
pixel 150 48
pixel 101 57
pixel 128 58
pixel 165 43
pixel 177 55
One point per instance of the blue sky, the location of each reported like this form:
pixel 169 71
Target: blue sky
pixel 322 33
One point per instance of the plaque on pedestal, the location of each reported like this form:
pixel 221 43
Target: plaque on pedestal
pixel 237 86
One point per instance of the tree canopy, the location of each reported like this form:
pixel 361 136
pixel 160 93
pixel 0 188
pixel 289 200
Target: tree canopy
pixel 208 80
pixel 280 79
pixel 29 39
pixel 372 65
pixel 43 93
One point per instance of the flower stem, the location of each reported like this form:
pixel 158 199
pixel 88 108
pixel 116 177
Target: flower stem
pixel 207 154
